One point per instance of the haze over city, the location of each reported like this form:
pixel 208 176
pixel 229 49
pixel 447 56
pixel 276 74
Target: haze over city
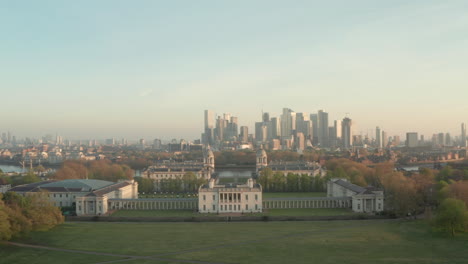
pixel 150 69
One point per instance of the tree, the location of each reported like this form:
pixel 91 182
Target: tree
pixel 5 228
pixel 452 216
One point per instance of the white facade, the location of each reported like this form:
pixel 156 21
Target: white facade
pixel 364 200
pixel 213 198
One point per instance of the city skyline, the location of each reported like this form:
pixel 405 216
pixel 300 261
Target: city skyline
pixel 114 69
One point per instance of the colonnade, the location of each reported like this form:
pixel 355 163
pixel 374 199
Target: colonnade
pixel 153 204
pixel 278 203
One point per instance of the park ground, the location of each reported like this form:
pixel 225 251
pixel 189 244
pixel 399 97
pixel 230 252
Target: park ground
pixel 365 241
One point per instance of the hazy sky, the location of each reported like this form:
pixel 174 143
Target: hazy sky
pixel 98 69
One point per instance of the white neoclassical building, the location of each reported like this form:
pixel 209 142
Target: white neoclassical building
pixel 90 197
pixel 364 200
pixel 230 198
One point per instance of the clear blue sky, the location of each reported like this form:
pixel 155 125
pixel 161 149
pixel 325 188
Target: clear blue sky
pixel 97 69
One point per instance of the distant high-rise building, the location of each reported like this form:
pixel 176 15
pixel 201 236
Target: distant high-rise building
pixel 110 141
pixel 209 119
pixel 346 133
pixel 323 128
pixel 288 123
pixel 157 144
pixel 448 139
pixel 411 139
pixel 315 128
pixel 384 139
pixel 463 135
pixel 441 139
pixel 300 141
pixel 378 137
pixel 266 117
pixel 244 134
pixel 276 127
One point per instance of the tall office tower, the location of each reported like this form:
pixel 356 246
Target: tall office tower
pixel 244 134
pixel 347 133
pixel 231 129
pixel 378 137
pixel 411 139
pixel 9 137
pixel 332 136
pixel 275 127
pixel 463 135
pixel 300 141
pixel 448 139
pixel 259 131
pixel 441 139
pixel 4 137
pixel 157 144
pixel 315 127
pixel 396 140
pixel 384 139
pixel 219 130
pixel 209 119
pixel 304 125
pixel 323 128
pixel 288 123
pixel 266 117
pixel 337 124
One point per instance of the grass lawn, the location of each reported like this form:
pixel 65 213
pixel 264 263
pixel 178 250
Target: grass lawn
pixel 370 241
pixel 293 194
pixel 17 255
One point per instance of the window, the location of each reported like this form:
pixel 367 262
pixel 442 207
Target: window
pixel 214 207
pixel 214 197
pixel 246 207
pixel 54 194
pixel 60 195
pixel 204 207
pixel 238 207
pixel 79 208
pixel 359 206
pixel 67 195
pixel 256 206
pixel 60 203
pixel 204 197
pixel 246 197
pixel 379 206
pixel 256 197
pixel 230 207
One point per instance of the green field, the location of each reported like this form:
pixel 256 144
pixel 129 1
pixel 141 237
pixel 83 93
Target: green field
pixel 293 194
pixel 270 212
pixel 369 241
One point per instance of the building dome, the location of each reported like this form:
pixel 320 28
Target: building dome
pixel 209 152
pixel 261 152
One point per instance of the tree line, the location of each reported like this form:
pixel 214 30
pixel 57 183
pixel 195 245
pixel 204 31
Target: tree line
pixel 189 183
pixel 98 169
pixel 20 215
pixel 277 182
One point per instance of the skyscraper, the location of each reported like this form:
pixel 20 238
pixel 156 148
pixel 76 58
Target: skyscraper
pixel 323 128
pixel 209 119
pixel 411 139
pixel 378 137
pixel 244 134
pixel 384 139
pixel 315 127
pixel 463 135
pixel 288 123
pixel 346 133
